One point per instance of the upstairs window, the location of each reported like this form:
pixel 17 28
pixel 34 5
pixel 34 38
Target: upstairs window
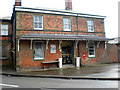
pixel 66 24
pixel 90 25
pixel 91 49
pixel 4 29
pixel 38 22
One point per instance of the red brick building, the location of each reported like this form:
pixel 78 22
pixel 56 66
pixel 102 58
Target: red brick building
pixel 44 35
pixel 5 41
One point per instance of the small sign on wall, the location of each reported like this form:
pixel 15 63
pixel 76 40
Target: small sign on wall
pixel 53 48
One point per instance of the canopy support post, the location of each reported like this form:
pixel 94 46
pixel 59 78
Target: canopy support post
pixel 87 42
pixel 60 42
pixel 47 44
pixel 31 43
pixel 98 44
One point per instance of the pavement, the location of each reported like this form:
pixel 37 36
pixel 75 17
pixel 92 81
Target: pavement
pixel 96 72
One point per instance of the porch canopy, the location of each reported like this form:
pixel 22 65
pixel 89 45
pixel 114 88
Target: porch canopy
pixel 62 37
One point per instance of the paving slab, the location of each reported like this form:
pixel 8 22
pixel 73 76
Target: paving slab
pixel 101 71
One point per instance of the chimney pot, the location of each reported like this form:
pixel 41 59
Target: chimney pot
pixel 68 4
pixel 17 2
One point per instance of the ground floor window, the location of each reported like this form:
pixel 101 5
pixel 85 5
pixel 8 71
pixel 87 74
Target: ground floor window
pixel 38 50
pixel 4 51
pixel 91 49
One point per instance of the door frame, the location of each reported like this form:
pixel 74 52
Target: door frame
pixel 72 50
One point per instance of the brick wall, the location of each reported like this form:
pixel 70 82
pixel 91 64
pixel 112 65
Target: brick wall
pixel 53 24
pixel 83 49
pixel 26 55
pixel 99 54
pixel 111 53
pixel 9 32
pixel 6 45
pixel 26 58
pixel 52 56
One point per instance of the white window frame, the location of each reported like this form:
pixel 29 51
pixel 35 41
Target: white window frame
pixel 38 21
pixel 6 30
pixel 90 24
pixel 67 24
pixel 43 51
pixel 90 48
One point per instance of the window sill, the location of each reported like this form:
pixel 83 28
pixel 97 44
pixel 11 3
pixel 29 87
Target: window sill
pixel 41 29
pixel 67 30
pixel 92 56
pixel 38 59
pixel 91 31
pixel 4 35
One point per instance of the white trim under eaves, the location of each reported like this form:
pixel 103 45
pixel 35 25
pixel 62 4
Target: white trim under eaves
pixel 57 12
pixel 41 11
pixel 91 16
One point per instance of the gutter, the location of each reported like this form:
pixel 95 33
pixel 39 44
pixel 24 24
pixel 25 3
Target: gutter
pixel 57 12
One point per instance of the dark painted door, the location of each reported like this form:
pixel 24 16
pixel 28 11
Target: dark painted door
pixel 67 55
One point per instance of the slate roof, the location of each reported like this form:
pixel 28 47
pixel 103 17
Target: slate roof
pixel 62 37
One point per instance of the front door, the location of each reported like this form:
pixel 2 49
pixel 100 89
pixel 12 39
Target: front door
pixel 67 52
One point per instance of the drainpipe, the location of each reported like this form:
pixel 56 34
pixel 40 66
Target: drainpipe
pixel 12 43
pixel 78 41
pixel 15 39
pixel 77 23
pixel 77 34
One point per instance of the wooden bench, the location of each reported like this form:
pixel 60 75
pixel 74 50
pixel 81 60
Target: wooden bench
pixel 49 62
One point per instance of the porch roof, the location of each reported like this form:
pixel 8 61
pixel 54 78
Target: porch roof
pixel 62 37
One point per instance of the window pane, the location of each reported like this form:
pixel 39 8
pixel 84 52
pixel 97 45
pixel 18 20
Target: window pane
pixel 66 26
pixel 5 32
pixel 67 23
pixel 40 18
pixel 5 50
pixel 4 29
pixel 40 25
pixel 64 21
pixel 39 50
pixel 35 25
pixel 88 22
pixel 35 18
pixel 91 49
pixel 90 25
pixel 38 21
pixel 2 33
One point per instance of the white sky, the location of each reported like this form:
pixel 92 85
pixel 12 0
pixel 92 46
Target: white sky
pixel 108 8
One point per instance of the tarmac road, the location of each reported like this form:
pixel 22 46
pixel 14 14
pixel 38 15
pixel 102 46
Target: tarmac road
pixel 28 82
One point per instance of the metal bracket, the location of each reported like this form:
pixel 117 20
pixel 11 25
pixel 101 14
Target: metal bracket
pixel 76 43
pixel 98 44
pixel 47 44
pixel 106 44
pixel 60 42
pixel 87 42
pixel 18 45
pixel 31 42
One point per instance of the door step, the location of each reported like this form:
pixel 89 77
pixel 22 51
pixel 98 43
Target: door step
pixel 68 66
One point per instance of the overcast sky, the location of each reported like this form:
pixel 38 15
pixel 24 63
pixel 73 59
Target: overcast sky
pixel 108 8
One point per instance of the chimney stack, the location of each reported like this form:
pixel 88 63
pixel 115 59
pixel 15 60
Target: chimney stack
pixel 68 4
pixel 17 3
